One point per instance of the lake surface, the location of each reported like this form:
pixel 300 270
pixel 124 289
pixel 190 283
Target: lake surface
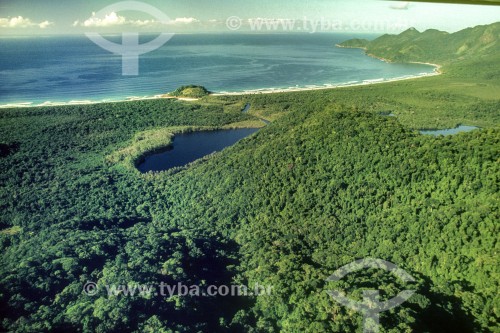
pixel 73 69
pixel 189 147
pixel 449 131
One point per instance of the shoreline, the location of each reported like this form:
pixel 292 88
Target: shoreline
pixel 437 67
pixel 435 72
pixel 333 86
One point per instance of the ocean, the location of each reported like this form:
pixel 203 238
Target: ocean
pixel 72 69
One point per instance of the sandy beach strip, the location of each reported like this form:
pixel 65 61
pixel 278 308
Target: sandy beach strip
pixel 437 71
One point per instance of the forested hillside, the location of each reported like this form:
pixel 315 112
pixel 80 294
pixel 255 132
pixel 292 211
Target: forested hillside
pixel 332 179
pixel 433 45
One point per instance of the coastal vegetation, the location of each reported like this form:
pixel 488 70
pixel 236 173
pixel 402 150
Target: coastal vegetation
pixel 329 181
pixel 190 91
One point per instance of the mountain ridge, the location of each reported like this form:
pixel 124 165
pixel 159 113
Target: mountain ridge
pixel 432 45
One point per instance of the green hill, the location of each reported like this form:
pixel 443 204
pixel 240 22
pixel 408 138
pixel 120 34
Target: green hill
pixel 355 43
pixel 433 45
pixel 190 91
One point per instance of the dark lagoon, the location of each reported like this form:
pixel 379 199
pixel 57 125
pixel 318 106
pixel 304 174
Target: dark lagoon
pixel 189 147
pixel 449 131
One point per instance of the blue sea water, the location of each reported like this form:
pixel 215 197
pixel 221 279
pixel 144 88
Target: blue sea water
pixel 72 68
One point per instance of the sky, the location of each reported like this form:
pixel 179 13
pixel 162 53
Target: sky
pixel 32 17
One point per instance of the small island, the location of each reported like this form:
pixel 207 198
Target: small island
pixel 190 91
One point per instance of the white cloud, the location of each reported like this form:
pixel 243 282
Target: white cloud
pixel 401 5
pixel 22 22
pixel 145 23
pixel 111 19
pixel 184 20
pixel 114 19
pixel 16 22
pixel 213 23
pixel 45 24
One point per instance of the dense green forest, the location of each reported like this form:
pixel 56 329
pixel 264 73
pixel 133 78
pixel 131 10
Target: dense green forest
pixel 330 180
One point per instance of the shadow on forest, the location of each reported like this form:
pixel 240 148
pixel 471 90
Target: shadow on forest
pixel 203 261
pixel 444 314
pixel 7 149
pixel 108 224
